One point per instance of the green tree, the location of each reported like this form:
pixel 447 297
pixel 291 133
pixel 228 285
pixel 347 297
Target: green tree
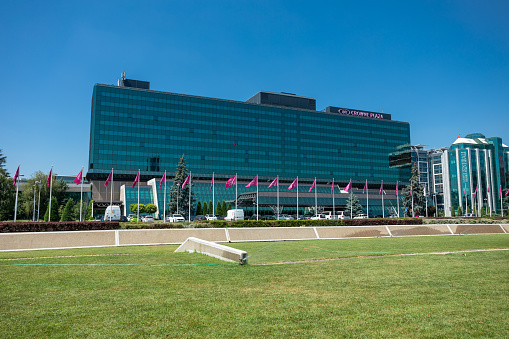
pixel 150 208
pixel 68 212
pixel 352 202
pixel 228 208
pixel 198 208
pixel 505 202
pixel 459 211
pixel 205 209
pixel 218 208
pixel 417 192
pixel 54 210
pixel 211 207
pixel 483 211
pixel 134 208
pixel 88 214
pixel 224 208
pixel 468 210
pixel 177 193
pixel 453 211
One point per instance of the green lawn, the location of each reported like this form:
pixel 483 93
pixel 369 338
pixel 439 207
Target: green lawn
pixel 149 291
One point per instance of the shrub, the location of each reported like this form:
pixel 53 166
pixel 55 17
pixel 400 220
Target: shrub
pixel 7 227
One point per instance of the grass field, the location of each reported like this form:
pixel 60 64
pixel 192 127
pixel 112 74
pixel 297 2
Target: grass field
pixel 149 291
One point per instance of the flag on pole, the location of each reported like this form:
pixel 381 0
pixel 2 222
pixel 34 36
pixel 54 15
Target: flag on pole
pixel 232 181
pixel 187 181
pixel 424 193
pixel 163 179
pixel 475 192
pixel 312 186
pixel 381 187
pixel 488 192
pixel 275 182
pixel 365 187
pixel 348 187
pixel 79 177
pixel 464 191
pixel 253 182
pixel 506 193
pixel 411 189
pixel 138 179
pixel 500 190
pixel 109 179
pixel 16 175
pixel 49 176
pixel 397 191
pixel 293 185
pixel 458 136
pixel 332 187
pixel 212 182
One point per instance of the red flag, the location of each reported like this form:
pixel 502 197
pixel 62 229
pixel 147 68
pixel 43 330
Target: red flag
pixel 397 191
pixel 348 187
pixel 458 137
pixel 232 181
pixel 275 182
pixel 382 188
pixel 253 182
pixel 78 179
pixel 332 187
pixel 110 177
pixel 16 175
pixel 312 186
pixel 163 179
pixel 365 187
pixel 137 179
pixel 187 181
pixel 212 182
pixel 293 185
pixel 49 176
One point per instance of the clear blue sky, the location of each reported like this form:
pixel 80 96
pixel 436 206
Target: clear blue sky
pixel 442 66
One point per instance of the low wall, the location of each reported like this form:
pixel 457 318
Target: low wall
pixel 77 239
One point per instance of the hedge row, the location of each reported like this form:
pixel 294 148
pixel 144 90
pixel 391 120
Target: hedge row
pixel 6 227
pixel 483 220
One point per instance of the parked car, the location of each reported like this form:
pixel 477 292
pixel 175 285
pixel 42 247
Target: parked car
pixel 147 218
pixel 175 218
pixel 234 214
pixel 210 217
pixel 123 218
pixel 269 217
pixel 286 217
pixel 198 218
pixel 131 217
pixel 254 217
pixel 361 216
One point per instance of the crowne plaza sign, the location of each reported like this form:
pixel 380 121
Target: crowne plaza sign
pixel 360 114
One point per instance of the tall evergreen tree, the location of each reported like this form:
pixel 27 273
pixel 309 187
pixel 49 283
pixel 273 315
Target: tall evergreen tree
pixel 68 213
pixel 353 204
pixel 88 213
pixel 181 194
pixel 7 191
pixel 211 207
pixel 224 208
pixel 204 209
pixel 198 208
pixel 54 211
pixel 418 193
pixel 218 208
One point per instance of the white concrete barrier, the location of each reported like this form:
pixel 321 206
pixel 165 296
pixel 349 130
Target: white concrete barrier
pixel 212 249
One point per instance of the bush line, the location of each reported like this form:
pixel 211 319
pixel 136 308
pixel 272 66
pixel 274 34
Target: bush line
pixel 6 227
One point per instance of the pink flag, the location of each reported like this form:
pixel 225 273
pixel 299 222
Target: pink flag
pixel 253 182
pixel 500 190
pixel 506 193
pixel 293 185
pixel 163 179
pixel 464 191
pixel 411 189
pixel 110 177
pixel 212 182
pixel 312 186
pixel 397 191
pixel 49 176
pixel 136 179
pixel 488 192
pixel 475 192
pixel 365 187
pixel 332 187
pixel 382 188
pixel 275 182
pixel 16 175
pixel 232 181
pixel 348 187
pixel 187 181
pixel 77 180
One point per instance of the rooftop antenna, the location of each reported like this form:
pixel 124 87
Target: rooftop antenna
pixel 119 81
pixel 123 75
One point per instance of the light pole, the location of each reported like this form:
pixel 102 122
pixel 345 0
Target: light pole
pixel 39 202
pixel 33 214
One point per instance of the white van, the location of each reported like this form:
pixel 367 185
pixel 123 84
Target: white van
pixel 237 214
pixel 113 212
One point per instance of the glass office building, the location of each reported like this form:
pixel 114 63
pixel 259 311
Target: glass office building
pixel 475 168
pixel 272 134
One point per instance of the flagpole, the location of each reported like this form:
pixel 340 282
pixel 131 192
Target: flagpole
pixel 235 193
pixel 397 198
pixel 50 189
pixel 138 216
pixel 383 207
pixel 297 198
pixel 190 196
pixel 501 204
pixel 81 198
pixel 351 199
pixel 277 178
pixel 257 214
pixel 426 199
pixel 316 201
pixel 333 202
pixel 213 197
pixel 367 199
pixel 16 204
pixel 164 208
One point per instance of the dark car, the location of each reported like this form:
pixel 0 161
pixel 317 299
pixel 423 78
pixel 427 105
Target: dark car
pixel 253 217
pixel 123 218
pixel 269 217
pixel 199 218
